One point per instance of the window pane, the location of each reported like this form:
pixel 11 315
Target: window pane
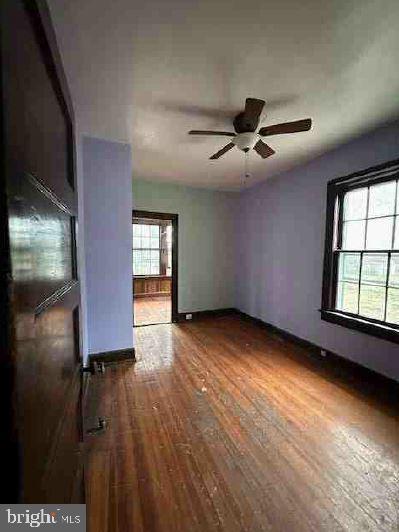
pixel 145 242
pixel 136 242
pixel 396 241
pixel 347 296
pixel 145 230
pixel 382 199
pixel 142 263
pixel 154 242
pixel 136 263
pixel 393 306
pixel 375 268
pixel 349 267
pixel 136 230
pixel 155 231
pixel 394 270
pixel 372 301
pixel 154 255
pixel 379 233
pixel 353 235
pixel 355 204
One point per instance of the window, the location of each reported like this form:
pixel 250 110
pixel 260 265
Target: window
pixel 152 247
pixel 361 267
pixel 146 249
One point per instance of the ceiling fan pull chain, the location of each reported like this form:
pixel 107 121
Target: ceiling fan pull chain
pixel 246 166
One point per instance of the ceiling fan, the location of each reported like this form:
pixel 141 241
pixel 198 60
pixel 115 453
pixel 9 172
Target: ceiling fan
pixel 246 137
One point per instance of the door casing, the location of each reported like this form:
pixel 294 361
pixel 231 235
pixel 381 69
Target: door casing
pixel 174 218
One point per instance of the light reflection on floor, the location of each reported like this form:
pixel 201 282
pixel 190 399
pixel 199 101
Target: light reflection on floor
pixel 152 309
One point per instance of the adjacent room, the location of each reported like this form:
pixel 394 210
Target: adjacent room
pixel 200 276
pixel 152 269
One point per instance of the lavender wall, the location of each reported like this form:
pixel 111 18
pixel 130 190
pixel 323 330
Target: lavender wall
pixel 84 339
pixel 281 246
pixel 107 172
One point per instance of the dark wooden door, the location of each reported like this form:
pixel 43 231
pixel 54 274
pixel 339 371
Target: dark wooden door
pixel 41 353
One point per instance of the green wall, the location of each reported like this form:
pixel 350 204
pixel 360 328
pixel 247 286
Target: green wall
pixel 206 240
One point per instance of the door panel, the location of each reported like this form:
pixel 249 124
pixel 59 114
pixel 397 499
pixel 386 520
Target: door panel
pixel 45 295
pixel 42 230
pixel 41 133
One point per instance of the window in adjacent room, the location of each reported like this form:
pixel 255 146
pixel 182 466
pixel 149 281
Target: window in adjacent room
pixel 361 271
pixel 147 249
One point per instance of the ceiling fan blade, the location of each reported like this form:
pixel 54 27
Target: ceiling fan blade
pixel 263 149
pixel 222 151
pixel 286 127
pixel 214 133
pixel 253 110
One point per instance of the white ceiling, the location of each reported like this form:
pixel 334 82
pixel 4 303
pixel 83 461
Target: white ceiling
pixel 148 71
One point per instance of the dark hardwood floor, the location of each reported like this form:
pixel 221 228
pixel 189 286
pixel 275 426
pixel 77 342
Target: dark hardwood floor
pixel 220 426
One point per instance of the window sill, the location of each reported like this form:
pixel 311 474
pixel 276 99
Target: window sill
pixel 374 329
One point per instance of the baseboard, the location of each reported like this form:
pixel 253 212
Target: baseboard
pixel 200 314
pixel 108 357
pixel 281 332
pixel 376 382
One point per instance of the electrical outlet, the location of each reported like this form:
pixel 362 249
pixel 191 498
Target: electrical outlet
pixel 189 316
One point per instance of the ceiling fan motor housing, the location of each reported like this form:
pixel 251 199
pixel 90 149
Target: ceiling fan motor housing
pixel 243 125
pixel 245 141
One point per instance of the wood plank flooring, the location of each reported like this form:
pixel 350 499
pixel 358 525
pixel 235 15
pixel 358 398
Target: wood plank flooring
pixel 220 426
pixel 152 309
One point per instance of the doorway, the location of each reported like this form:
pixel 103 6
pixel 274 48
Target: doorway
pixel 155 244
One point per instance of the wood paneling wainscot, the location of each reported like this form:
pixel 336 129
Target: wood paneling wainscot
pixel 152 286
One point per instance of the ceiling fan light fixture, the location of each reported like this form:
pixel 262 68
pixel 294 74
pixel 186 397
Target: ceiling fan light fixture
pixel 245 141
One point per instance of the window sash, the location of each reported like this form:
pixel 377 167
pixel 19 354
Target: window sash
pixel 146 262
pixel 339 220
pixel 387 286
